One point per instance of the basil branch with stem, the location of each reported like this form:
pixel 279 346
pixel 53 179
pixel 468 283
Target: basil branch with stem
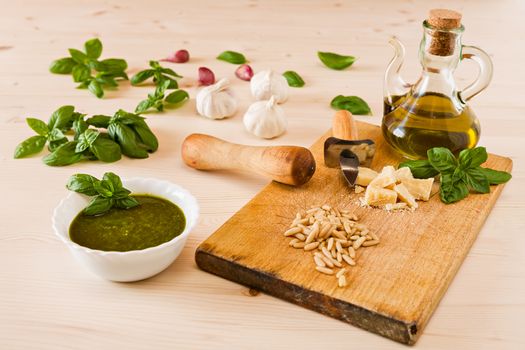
pixel 81 66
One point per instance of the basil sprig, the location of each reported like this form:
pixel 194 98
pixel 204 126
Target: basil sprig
pixel 158 99
pixel 52 133
pixel 130 131
pixel 353 104
pixel 159 74
pixel 458 176
pixel 86 68
pixel 293 79
pixel 127 133
pixel 107 193
pixel 335 61
pixel 232 57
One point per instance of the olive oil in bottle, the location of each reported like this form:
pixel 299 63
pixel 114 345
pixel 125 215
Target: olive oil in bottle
pixel 413 124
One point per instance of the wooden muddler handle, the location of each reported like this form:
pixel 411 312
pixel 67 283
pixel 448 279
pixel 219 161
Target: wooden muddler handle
pixel 344 126
pixel 290 165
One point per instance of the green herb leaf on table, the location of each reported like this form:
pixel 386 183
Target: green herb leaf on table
pixel 232 57
pixel 93 48
pixel 353 104
pixel 293 79
pixel 62 66
pixel 106 193
pixel 452 190
pixel 476 180
pixel 473 157
pixel 442 159
pixel 64 154
pixel 160 76
pixel 32 145
pixel 335 61
pixel 38 126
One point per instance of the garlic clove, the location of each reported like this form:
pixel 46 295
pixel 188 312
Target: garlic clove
pixel 265 119
pixel 267 83
pixel 215 101
pixel 206 76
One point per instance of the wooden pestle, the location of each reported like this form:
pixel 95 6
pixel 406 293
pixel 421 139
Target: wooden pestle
pixel 291 165
pixel 344 126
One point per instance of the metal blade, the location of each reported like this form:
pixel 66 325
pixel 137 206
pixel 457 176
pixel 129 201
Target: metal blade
pixel 349 166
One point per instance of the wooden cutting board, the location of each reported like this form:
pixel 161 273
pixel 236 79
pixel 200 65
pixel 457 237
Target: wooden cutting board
pixel 395 286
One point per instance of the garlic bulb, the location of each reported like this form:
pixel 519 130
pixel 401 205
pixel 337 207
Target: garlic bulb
pixel 267 83
pixel 215 101
pixel 265 119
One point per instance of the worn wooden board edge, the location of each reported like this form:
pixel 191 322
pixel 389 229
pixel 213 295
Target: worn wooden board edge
pixel 391 328
pixel 402 331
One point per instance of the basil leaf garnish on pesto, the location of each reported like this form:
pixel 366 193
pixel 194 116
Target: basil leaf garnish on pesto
pixel 106 193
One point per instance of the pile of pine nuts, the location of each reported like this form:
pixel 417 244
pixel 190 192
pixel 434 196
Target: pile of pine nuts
pixel 333 236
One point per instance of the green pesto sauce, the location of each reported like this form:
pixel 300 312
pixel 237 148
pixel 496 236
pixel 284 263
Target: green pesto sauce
pixel 153 222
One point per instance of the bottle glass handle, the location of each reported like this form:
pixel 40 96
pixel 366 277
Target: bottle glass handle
pixel 485 71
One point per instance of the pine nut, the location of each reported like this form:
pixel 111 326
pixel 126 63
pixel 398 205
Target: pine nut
pixel 341 281
pixel 370 243
pixel 340 272
pixel 311 246
pixel 319 262
pixel 348 260
pixel 324 270
pixel 293 231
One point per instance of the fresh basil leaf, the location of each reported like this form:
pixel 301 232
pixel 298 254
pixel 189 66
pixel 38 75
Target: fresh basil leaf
pixel 93 48
pixel 121 193
pixel 62 66
pixel 106 150
pixel 98 205
pixel 177 97
pixel 145 136
pixel 452 191
pixel 335 61
pixel 38 126
pixel 170 71
pixel 86 139
pixel 79 126
pixel 442 159
pixel 64 155
pixel 126 138
pixel 81 73
pixel 99 121
pixel 143 106
pixel 95 88
pixel 155 65
pixel 104 188
pixel 126 203
pixel 353 104
pixel 30 146
pixel 61 118
pixel 115 65
pixel 82 183
pixel 142 76
pixel 476 180
pixel 495 177
pixel 472 158
pixel 232 57
pixel 53 145
pixel 420 169
pixel 293 79
pixel 113 179
pixel 55 135
pixel 79 57
pixel 106 80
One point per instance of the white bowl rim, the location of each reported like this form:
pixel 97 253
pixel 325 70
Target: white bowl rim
pixel 173 241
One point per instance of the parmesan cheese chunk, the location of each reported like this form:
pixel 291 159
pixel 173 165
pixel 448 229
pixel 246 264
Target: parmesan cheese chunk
pixel 405 196
pixel 385 178
pixel 364 176
pixel 403 174
pixel 377 197
pixel 419 188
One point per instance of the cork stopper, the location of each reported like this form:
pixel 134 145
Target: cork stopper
pixel 444 19
pixel 442 42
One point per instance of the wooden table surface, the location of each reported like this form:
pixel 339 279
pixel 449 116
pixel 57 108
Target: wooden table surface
pixel 47 301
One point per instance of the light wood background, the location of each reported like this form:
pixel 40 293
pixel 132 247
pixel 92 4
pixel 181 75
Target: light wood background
pixel 47 301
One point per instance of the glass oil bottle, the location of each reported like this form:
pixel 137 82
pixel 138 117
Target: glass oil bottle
pixel 432 112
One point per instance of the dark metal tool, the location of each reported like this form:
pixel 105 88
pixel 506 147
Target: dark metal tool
pixel 344 149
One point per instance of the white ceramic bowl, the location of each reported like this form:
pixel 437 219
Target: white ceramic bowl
pixel 136 264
